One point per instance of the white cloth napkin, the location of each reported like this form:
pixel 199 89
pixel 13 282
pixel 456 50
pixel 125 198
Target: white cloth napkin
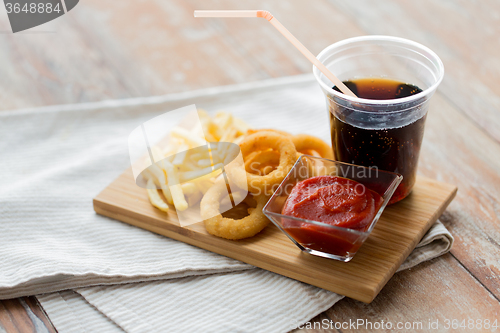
pixel 248 301
pixel 54 160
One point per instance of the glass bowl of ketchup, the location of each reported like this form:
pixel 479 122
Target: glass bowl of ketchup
pixel 329 208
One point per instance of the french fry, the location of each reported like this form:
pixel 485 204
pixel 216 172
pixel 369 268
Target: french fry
pixel 197 172
pixel 217 156
pixel 239 139
pixel 241 126
pixel 198 156
pixel 194 198
pixel 184 134
pixel 181 154
pixel 223 119
pixel 205 163
pixel 229 135
pixel 191 175
pixel 160 176
pixel 189 165
pixel 214 131
pixel 154 197
pixel 230 154
pixel 204 185
pixel 175 187
pixel 188 188
pixel 157 153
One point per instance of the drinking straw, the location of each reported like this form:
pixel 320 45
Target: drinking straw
pixel 268 16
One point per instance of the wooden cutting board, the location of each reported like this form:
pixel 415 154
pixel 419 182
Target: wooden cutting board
pixel 396 234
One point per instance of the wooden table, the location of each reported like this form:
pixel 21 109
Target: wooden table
pixel 121 49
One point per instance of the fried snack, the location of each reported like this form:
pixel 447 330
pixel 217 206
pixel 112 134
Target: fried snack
pixel 305 142
pixel 154 197
pixel 184 174
pixel 180 202
pixel 267 170
pixel 157 175
pixel 262 162
pixel 253 131
pixel 220 226
pixel 262 141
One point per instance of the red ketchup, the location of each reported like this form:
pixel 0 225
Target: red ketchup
pixel 331 200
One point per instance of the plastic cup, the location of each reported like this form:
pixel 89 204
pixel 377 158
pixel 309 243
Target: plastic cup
pixel 386 134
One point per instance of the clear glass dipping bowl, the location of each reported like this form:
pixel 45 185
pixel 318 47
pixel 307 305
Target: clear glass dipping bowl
pixel 319 238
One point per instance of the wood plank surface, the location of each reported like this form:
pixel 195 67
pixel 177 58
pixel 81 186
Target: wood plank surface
pixel 119 49
pixel 422 287
pixel 24 315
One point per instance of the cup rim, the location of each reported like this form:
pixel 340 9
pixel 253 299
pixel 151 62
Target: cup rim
pixel 403 41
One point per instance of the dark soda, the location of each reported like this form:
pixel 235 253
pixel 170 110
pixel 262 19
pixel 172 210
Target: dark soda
pixel 391 149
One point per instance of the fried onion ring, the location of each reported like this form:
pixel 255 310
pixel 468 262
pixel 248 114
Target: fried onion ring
pixel 253 131
pixel 305 142
pixel 267 169
pixel 258 161
pixel 224 227
pixel 263 141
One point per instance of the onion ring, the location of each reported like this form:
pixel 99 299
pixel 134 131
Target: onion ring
pixel 267 169
pixel 253 131
pixel 224 227
pixel 258 161
pixel 304 142
pixel 262 141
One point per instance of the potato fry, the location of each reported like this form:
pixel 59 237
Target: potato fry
pixel 198 156
pixel 230 153
pixel 239 139
pixel 229 135
pixel 204 185
pixel 185 135
pixel 205 163
pixel 175 187
pixel 194 198
pixel 188 188
pixel 160 176
pixel 154 197
pixel 157 153
pixel 215 132
pixel 180 156
pixel 223 119
pixel 184 177
pixel 191 175
pixel 240 126
pixel 217 156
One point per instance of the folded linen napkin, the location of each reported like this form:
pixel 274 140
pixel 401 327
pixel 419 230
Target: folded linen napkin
pixel 248 301
pixel 56 159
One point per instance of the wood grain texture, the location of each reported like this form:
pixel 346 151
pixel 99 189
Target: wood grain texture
pixel 430 287
pixel 463 33
pixel 396 234
pixel 24 315
pixel 473 164
pixel 119 49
